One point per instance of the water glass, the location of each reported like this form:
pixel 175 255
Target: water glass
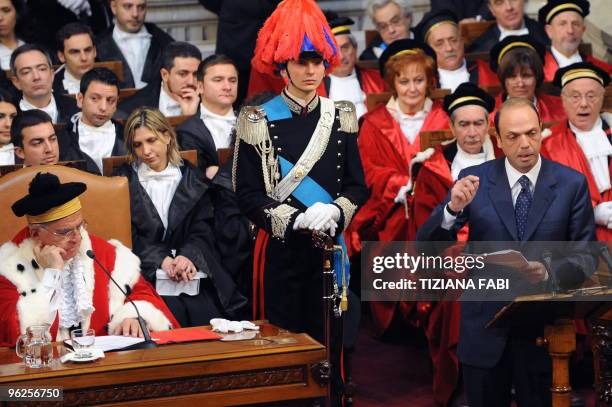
pixel 82 342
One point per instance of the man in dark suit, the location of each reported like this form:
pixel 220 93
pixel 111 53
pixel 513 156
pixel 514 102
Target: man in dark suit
pixel 93 135
pixel 177 92
pixel 135 43
pixel 76 50
pixel 522 197
pixel 392 19
pixel 511 20
pixel 33 76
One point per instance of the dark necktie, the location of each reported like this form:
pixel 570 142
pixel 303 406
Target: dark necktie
pixel 521 208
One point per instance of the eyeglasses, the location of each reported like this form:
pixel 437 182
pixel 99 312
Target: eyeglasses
pixel 396 21
pixel 68 233
pixel 575 97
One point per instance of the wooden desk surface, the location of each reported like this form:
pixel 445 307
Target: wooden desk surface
pixel 276 365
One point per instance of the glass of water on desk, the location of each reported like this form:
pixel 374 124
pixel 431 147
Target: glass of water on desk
pixel 82 342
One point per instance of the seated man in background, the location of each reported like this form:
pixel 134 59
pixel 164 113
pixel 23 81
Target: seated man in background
pixel 563 21
pixel 76 50
pixel 212 128
pixel 440 30
pixel 33 76
pixel 392 19
pixel 135 43
pixel 8 112
pixel 47 278
pixel 34 139
pixel 511 20
pixel 177 94
pixel 93 135
pixel 583 141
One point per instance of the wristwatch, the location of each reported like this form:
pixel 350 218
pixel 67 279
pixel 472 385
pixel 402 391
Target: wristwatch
pixel 452 212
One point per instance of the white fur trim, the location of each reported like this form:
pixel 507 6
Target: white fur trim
pixel 546 133
pixel 126 271
pixel 154 318
pixel 421 157
pixel 33 309
pixel 607 117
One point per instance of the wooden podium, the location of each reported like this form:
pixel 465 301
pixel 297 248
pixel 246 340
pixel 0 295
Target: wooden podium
pixel 560 333
pixel 274 366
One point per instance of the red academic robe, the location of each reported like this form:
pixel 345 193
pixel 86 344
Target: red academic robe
pixel 561 146
pixel 551 65
pixel 549 106
pixel 486 77
pixel 23 301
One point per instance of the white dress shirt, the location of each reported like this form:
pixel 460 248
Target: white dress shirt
pixel 596 148
pixel 5 55
pixel 410 124
pixel 160 186
pixel 134 47
pixel 348 88
pixel 452 79
pixel 506 33
pixel 71 84
pixel 220 127
pixel 464 159
pixel 7 154
pixel 50 109
pixel 564 61
pixel 97 142
pixel 167 105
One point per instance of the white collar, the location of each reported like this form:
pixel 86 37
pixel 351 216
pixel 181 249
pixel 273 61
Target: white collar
pixel 119 34
pixel 50 109
pixel 71 84
pixel 7 154
pixel 350 77
pixel 167 105
pixel 146 173
pixel 513 174
pixel 204 112
pixel 461 69
pixel 503 33
pixel 452 79
pixel 394 108
pixel 7 147
pixel 564 61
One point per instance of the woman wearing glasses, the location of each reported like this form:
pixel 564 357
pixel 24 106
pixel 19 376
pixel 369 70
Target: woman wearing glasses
pixel 172 217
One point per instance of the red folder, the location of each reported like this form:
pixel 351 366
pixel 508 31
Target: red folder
pixel 184 335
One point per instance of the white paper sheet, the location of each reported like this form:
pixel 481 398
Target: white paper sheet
pixel 112 342
pixel 165 286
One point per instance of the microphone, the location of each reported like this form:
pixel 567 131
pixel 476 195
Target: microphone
pixel 147 343
pixel 604 253
pixel 547 258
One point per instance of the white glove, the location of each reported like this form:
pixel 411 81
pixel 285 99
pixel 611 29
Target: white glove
pixel 76 6
pixel 319 215
pixel 401 194
pixel 298 223
pixel 603 214
pixel 224 325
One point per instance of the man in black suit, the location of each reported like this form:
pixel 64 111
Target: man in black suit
pixel 76 50
pixel 392 19
pixel 519 198
pixel 33 76
pixel 177 92
pixel 511 20
pixel 135 43
pixel 93 135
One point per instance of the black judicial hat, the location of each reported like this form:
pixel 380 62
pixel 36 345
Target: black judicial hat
pixel 579 70
pixel 405 46
pixel 433 19
pixel 511 42
pixel 554 7
pixel 468 94
pixel 339 25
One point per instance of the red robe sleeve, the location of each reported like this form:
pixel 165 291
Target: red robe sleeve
pixel 9 323
pixel 486 77
pixel 371 81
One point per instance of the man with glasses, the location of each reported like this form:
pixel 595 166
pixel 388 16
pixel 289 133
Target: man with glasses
pixel 583 141
pixel 392 19
pixel 511 20
pixel 46 276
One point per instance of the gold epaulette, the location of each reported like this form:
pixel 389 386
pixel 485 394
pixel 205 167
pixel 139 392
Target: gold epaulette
pixel 251 126
pixel 348 116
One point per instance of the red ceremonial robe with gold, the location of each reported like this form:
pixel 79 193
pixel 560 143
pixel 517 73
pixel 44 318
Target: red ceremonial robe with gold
pixel 486 77
pixel 551 65
pixel 24 302
pixel 562 146
pixel 549 106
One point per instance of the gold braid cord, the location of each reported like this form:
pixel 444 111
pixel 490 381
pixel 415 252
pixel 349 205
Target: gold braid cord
pixel 348 116
pixel 280 218
pixel 348 209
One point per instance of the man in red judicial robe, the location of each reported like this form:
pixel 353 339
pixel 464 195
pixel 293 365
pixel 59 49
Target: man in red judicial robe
pixel 46 276
pixel 345 82
pixel 583 141
pixel 434 172
pixel 563 21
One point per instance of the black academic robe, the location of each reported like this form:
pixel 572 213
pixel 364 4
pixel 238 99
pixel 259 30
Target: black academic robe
pixel 194 135
pixel 109 51
pixel 191 233
pixel 147 96
pixel 489 38
pixel 464 8
pixel 70 150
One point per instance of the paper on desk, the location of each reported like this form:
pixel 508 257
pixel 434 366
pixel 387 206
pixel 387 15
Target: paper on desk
pixel 507 258
pixel 165 286
pixel 111 342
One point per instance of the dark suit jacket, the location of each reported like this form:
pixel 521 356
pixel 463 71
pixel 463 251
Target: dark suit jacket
pixel 194 135
pixel 489 38
pixel 190 231
pixel 66 107
pixel 147 96
pixel 71 151
pixel 109 51
pixel 561 211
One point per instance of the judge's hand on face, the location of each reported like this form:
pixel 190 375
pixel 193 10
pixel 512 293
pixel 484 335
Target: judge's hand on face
pixel 49 257
pixel 129 327
pixel 463 192
pixel 189 100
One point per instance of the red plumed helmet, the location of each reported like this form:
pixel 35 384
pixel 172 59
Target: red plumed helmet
pixel 296 26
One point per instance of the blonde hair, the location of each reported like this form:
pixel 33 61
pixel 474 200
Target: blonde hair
pixel 153 120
